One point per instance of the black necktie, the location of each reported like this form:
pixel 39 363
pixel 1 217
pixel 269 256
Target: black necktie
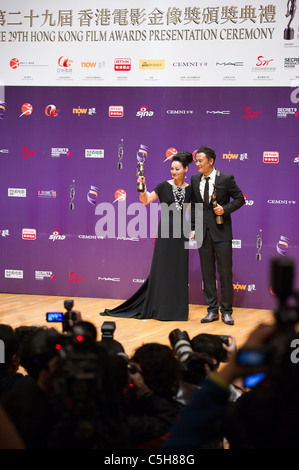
pixel 206 192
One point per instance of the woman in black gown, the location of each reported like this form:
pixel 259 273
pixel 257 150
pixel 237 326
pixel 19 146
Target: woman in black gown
pixel 165 293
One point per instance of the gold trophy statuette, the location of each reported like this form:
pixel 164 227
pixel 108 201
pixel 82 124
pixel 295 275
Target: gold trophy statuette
pixel 140 172
pixel 289 33
pixel 219 218
pixel 141 156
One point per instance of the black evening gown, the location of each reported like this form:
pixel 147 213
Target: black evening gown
pixel 165 293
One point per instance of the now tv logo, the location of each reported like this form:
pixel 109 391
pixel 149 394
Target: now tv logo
pixel 88 64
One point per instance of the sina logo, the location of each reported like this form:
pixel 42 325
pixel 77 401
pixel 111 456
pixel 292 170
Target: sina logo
pixel 51 110
pixel 144 112
pixel 56 236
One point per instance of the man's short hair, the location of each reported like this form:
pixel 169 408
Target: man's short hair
pixel 208 151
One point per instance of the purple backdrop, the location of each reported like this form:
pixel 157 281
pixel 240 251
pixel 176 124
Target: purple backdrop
pixel 239 123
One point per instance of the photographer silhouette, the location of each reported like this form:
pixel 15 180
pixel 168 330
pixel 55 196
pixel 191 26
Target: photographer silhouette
pixel 266 416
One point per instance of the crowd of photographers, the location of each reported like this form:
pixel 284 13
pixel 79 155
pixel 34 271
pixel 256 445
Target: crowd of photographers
pixel 80 391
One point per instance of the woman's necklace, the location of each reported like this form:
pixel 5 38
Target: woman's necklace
pixel 179 196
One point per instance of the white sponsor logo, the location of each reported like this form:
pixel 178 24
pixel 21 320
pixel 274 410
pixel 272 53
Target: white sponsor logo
pixel 16 192
pixel 94 153
pixel 13 274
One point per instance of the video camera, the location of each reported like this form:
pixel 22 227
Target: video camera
pixel 38 345
pixel 76 383
pixel 64 318
pixel 79 376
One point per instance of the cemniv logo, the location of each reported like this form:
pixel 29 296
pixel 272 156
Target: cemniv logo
pixel 51 111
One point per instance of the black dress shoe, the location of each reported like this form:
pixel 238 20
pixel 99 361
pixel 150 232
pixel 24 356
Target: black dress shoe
pixel 210 317
pixel 226 318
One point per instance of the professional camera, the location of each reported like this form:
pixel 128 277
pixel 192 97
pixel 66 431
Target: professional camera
pixel 108 329
pixel 276 351
pixel 193 364
pixel 181 344
pixel 111 345
pixel 65 318
pixel 81 379
pixel 78 364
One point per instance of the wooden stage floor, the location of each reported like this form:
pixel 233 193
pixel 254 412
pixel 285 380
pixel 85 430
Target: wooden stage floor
pixel 27 310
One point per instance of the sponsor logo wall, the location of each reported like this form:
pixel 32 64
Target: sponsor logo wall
pixel 115 80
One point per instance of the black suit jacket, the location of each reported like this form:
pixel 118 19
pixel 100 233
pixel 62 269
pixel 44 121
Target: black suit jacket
pixel 228 195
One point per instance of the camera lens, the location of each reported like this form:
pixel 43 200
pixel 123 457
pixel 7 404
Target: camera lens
pixel 180 342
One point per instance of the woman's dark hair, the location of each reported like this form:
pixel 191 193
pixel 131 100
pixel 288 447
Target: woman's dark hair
pixel 210 153
pixel 185 158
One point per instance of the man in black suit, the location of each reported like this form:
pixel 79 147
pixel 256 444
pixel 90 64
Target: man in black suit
pixel 217 238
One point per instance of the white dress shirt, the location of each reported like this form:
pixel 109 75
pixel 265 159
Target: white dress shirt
pixel 202 184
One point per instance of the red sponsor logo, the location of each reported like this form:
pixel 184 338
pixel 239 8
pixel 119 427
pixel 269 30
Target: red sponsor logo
pixel 64 62
pixel 121 65
pixel 120 195
pixel 29 234
pixel 14 63
pixel 262 62
pixel 116 111
pixel 75 278
pixel 26 109
pixel 271 157
pixel 170 152
pixel 250 114
pixel 51 110
pixel 27 152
